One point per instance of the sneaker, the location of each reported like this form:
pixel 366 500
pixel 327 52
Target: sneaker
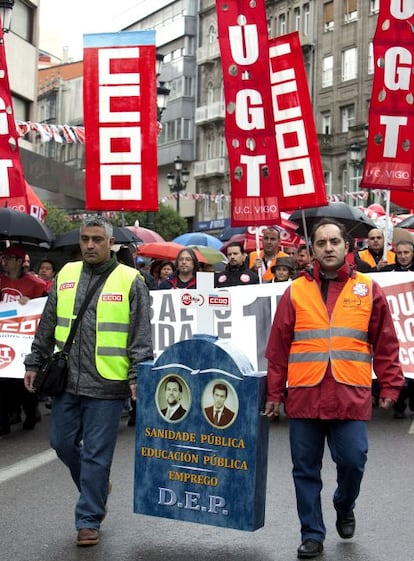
pixel 87 536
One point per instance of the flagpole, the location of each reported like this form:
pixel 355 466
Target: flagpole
pixel 257 237
pixel 387 221
pixel 305 228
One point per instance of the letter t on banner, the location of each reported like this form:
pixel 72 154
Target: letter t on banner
pixel 120 111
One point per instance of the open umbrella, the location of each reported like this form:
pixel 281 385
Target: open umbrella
pixel 200 239
pixel 407 222
pixel 122 236
pixel 21 227
pixel 164 250
pixel 356 222
pixel 212 255
pixel 145 234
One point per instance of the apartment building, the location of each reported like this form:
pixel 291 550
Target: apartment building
pixel 176 25
pixel 52 181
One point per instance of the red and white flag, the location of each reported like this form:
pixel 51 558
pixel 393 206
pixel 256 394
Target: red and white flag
pixel 12 182
pixel 120 121
pixel 271 139
pixel 389 162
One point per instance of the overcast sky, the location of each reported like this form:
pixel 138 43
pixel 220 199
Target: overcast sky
pixel 63 22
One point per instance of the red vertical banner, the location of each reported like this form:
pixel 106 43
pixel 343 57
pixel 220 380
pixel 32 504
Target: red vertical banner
pixel 389 162
pixel 12 182
pixel 120 121
pixel 297 149
pixel 251 145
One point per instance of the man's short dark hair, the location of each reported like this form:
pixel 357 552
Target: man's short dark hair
pixel 100 222
pixel 325 222
pixel 174 380
pixel 222 387
pixel 236 244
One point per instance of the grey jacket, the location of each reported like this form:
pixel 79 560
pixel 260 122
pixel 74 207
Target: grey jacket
pixel 83 378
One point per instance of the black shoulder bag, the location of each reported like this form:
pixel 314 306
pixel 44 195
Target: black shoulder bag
pixel 52 377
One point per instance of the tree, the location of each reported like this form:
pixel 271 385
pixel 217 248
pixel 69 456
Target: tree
pixel 166 221
pixel 58 221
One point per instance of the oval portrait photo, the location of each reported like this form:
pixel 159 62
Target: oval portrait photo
pixel 220 403
pixel 173 398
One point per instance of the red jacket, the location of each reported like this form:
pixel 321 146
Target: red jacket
pixel 331 399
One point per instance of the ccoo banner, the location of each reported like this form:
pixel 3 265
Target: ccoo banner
pixel 120 121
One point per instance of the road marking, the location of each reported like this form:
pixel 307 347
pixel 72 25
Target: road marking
pixel 24 466
pixel 411 429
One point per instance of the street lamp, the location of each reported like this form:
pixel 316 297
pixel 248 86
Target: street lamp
pixel 357 163
pixel 6 7
pixel 162 91
pixel 178 182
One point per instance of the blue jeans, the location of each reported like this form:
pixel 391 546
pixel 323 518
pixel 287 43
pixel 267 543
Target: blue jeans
pixel 83 433
pixel 348 443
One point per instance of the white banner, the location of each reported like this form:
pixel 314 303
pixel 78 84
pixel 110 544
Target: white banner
pixel 247 323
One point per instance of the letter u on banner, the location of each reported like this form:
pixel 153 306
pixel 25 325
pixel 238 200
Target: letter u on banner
pixel 120 121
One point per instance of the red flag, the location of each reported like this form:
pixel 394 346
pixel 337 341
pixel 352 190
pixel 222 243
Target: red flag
pixel 299 161
pixel 120 121
pixel 250 138
pixel 389 162
pixel 11 169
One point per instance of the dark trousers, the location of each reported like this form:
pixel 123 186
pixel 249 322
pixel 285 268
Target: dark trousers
pixel 348 444
pixel 14 395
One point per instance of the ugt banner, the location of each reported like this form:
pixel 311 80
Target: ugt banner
pixel 120 121
pixel 250 137
pixel 390 151
pixel 12 182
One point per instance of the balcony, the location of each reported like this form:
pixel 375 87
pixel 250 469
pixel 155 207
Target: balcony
pixel 208 53
pixel 211 112
pixel 208 168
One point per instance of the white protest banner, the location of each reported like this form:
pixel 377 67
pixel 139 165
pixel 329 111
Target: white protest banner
pixel 18 326
pixel 247 323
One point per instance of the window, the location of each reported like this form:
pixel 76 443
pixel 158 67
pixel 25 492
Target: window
pixel 328 19
pixel 207 206
pixel 210 93
pixel 326 123
pixel 371 58
pixel 374 6
pixel 212 35
pixel 22 21
pixel 187 129
pixel 349 64
pixel 296 16
pixel 327 71
pixel 347 117
pixel 350 11
pixel 220 203
pixel 327 177
pixel 282 24
pixel 188 86
pixel 21 108
pixel 306 19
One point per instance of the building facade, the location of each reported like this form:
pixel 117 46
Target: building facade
pixel 176 25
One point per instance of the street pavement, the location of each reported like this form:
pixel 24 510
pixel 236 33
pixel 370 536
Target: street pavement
pixel 37 499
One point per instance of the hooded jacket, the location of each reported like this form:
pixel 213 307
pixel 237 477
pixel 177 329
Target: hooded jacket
pixel 83 378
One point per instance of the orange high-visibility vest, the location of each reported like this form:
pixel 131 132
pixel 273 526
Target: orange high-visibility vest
pixel 267 275
pixel 366 256
pixel 342 339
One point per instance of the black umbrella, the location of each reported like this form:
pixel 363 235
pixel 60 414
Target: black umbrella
pixel 21 227
pixel 407 222
pixel 122 236
pixel 355 221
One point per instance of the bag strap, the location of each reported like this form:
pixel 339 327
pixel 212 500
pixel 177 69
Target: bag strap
pixel 102 278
